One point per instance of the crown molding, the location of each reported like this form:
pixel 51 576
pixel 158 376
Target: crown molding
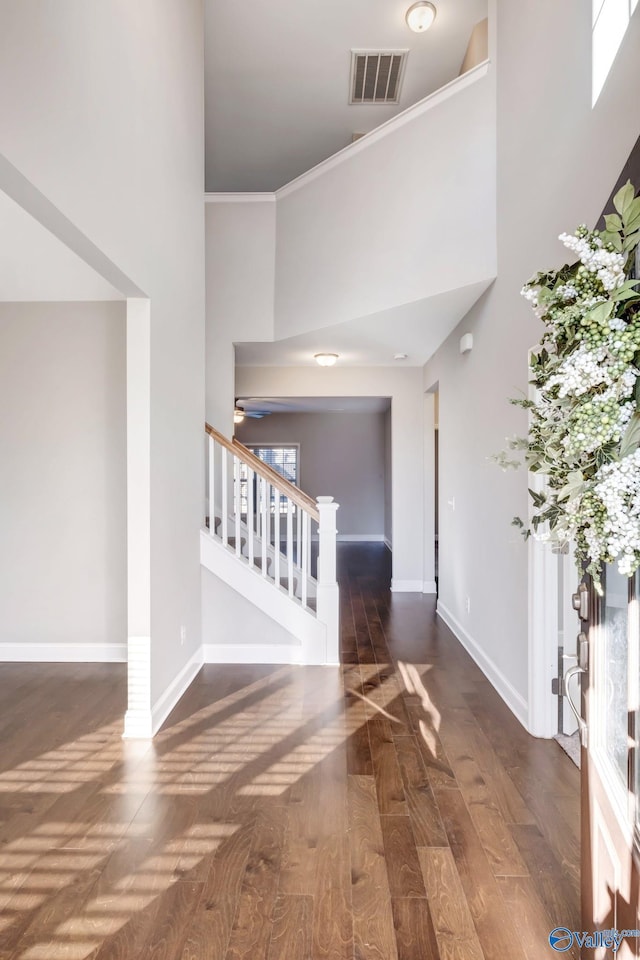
pixel 239 198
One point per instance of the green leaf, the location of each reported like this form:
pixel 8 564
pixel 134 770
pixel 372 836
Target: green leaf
pixel 631 438
pixel 539 499
pixel 624 198
pixel 573 488
pixel 601 312
pixel 613 222
pixel 625 294
pixel 613 238
pixel 632 214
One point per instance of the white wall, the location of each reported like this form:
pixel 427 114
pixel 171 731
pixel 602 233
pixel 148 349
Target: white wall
pixel 341 455
pixel 240 272
pixel 384 225
pixel 102 110
pixel 557 162
pixel 404 387
pixel 63 583
pixel 230 619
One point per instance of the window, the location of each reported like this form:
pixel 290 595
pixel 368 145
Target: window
pixel 610 20
pixel 284 460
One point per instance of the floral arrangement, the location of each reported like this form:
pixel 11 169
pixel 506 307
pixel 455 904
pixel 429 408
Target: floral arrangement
pixel 584 429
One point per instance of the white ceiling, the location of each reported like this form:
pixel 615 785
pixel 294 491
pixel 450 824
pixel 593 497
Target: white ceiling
pixel 315 404
pixel 416 329
pixel 277 79
pixel 35 265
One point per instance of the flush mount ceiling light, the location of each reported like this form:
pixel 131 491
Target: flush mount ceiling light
pixel 420 16
pixel 238 415
pixel 400 356
pixel 326 359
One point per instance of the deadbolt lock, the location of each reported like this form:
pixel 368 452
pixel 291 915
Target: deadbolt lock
pixel 580 602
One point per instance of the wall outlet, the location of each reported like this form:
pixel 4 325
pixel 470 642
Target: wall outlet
pixel 183 635
pixel 468 605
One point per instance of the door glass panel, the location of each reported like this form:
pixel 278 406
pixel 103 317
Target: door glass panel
pixel 615 669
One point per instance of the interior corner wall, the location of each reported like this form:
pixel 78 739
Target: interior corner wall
pixel 240 240
pixel 341 455
pixel 388 481
pixel 404 387
pixel 557 161
pixel 63 554
pixel 102 111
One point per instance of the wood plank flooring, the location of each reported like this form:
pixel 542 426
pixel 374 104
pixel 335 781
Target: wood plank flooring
pixel 391 809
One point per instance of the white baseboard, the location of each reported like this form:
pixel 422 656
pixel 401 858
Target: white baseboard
pixel 514 700
pixel 387 543
pixel 429 586
pixel 406 586
pixel 63 652
pixel 360 538
pixel 167 701
pixel 252 653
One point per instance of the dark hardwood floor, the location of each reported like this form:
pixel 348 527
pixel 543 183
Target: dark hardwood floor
pixel 389 810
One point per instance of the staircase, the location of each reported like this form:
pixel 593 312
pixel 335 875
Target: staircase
pixel 276 547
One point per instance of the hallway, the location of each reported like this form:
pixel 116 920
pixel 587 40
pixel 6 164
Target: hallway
pixel 390 809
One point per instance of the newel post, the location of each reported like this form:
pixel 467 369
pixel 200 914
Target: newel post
pixel 328 599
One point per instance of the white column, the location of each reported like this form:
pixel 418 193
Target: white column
pixel 328 597
pixel 137 721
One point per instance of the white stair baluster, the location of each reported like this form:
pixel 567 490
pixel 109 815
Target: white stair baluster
pixel 212 486
pixel 276 537
pixel 290 545
pixel 305 556
pixel 237 506
pixel 298 536
pixel 264 527
pixel 225 504
pixel 250 513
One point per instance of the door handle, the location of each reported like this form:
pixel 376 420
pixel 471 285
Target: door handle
pixel 582 727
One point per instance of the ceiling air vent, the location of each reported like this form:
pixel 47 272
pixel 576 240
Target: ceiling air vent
pixel 376 75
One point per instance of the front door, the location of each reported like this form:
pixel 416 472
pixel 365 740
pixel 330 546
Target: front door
pixel 609 655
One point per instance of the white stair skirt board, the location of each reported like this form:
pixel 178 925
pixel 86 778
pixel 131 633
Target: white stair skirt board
pixel 252 653
pixel 429 586
pixel 514 700
pixel 308 633
pixel 63 652
pixel 406 586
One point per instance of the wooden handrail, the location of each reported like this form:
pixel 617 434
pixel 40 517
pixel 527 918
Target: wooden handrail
pixel 303 500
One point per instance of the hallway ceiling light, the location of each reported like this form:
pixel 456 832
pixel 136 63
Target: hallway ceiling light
pixel 326 359
pixel 400 356
pixel 238 415
pixel 420 16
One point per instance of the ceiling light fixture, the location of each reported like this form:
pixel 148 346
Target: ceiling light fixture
pixel 420 16
pixel 400 356
pixel 326 359
pixel 238 415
